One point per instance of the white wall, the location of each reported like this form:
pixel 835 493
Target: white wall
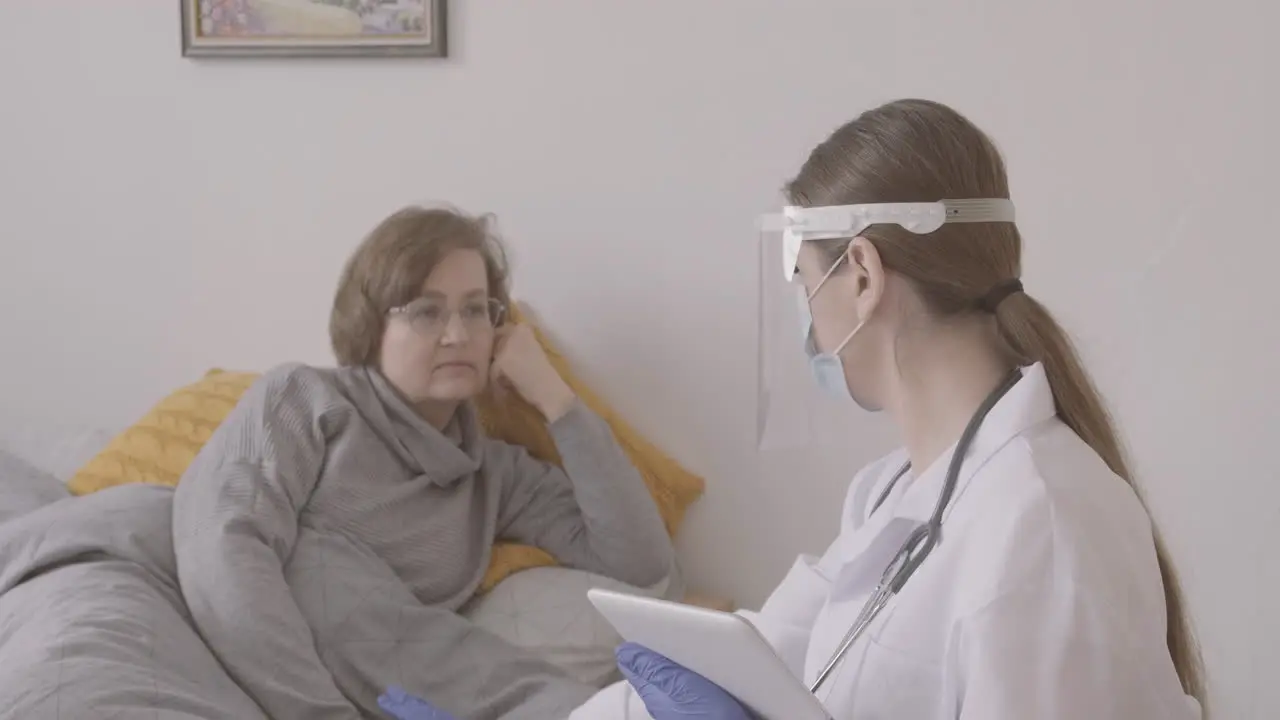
pixel 159 216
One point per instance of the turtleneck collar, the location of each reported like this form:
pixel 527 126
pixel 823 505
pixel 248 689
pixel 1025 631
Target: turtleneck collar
pixel 444 457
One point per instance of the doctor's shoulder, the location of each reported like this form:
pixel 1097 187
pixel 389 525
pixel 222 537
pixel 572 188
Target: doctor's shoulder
pixel 1047 508
pixel 1051 555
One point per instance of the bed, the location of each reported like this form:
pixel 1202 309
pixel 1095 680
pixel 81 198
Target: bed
pixel 92 624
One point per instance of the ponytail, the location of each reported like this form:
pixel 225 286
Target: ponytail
pixel 1028 330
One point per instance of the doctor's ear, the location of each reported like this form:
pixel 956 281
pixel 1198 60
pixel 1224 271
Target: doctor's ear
pixel 864 262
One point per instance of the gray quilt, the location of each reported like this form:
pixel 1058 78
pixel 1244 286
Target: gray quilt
pixel 93 625
pixel 91 621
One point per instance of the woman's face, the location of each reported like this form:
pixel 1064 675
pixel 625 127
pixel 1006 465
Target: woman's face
pixel 438 347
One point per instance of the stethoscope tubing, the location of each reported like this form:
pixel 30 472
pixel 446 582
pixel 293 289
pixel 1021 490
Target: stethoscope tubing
pixel 919 545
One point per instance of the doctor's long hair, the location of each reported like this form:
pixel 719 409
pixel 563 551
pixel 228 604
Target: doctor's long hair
pixel 918 150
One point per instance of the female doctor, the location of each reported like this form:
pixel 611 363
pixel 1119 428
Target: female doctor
pixel 1033 585
pixel 1044 593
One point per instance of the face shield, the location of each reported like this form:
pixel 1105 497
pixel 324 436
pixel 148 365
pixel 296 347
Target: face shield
pixel 791 409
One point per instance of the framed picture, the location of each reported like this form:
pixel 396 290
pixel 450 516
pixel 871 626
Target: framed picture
pixel 313 28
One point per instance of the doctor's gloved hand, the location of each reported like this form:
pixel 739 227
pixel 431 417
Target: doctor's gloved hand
pixel 673 692
pixel 403 706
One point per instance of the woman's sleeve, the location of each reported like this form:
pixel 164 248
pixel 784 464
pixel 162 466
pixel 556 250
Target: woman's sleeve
pixel 596 514
pixel 235 523
pixel 1040 651
pixel 1078 628
pixel 788 617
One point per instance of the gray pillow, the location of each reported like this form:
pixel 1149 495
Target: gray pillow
pixel 546 609
pixel 24 488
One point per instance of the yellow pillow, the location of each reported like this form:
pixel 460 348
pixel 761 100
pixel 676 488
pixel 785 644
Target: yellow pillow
pixel 158 448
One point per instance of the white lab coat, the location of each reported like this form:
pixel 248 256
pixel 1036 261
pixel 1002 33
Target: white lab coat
pixel 1043 599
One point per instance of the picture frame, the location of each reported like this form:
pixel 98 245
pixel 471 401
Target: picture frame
pixel 314 28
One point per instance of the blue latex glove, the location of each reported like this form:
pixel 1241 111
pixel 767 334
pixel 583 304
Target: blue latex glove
pixel 674 692
pixel 403 706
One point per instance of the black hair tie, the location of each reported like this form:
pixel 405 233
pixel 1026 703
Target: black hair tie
pixel 997 295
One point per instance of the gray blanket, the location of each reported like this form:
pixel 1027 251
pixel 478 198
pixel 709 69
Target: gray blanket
pixel 91 621
pixel 316 552
pixel 92 624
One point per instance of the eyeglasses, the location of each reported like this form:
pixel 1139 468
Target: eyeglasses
pixel 431 316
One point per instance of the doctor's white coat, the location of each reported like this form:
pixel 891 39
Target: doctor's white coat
pixel 1043 600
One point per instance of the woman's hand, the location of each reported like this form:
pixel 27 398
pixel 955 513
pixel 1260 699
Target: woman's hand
pixel 519 362
pixel 673 692
pixel 404 706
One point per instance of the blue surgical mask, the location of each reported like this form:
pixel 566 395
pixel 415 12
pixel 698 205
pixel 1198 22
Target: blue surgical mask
pixel 827 368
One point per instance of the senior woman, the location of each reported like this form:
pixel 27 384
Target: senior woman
pixel 329 531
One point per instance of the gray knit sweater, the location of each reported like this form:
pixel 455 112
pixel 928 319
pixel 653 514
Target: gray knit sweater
pixel 326 536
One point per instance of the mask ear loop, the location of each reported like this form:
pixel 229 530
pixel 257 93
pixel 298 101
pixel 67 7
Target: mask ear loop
pixel 830 271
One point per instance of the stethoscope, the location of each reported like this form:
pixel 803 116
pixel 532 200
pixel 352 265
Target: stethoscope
pixel 922 540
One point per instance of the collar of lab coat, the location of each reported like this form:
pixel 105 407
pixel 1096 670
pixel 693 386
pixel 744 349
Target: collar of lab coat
pixel 1028 403
pixel 869 538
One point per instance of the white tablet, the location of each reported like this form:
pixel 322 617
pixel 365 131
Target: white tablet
pixel 722 647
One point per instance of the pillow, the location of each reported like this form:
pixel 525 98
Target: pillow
pixel 547 610
pixel 158 448
pixel 24 488
pixel 55 446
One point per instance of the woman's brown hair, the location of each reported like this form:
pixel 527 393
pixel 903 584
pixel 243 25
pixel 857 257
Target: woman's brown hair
pixel 389 268
pixel 923 151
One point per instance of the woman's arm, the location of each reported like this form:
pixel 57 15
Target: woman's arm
pixel 235 523
pixel 1077 629
pixel 596 514
pixel 1056 653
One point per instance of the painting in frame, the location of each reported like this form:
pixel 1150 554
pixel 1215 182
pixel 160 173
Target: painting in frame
pixel 313 28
